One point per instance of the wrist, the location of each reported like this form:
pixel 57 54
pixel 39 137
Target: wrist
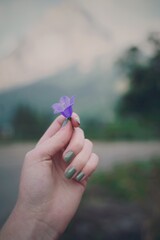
pixel 26 225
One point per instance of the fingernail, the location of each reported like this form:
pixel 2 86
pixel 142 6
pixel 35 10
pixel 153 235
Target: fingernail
pixel 69 156
pixel 80 176
pixel 78 120
pixel 70 172
pixel 65 122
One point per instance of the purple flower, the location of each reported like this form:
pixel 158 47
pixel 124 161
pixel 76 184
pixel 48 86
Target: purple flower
pixel 64 106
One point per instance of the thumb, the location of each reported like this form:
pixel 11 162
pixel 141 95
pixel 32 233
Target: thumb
pixel 57 142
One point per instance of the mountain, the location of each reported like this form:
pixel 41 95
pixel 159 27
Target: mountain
pixel 94 91
pixel 65 35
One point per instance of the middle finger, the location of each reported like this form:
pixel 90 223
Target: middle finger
pixel 75 145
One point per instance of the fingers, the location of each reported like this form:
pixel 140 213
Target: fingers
pixel 57 142
pixel 75 120
pixel 83 164
pixel 53 128
pixel 56 125
pixel 89 168
pixel 75 145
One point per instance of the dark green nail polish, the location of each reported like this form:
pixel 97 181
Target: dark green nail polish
pixel 65 122
pixel 80 176
pixel 70 172
pixel 69 156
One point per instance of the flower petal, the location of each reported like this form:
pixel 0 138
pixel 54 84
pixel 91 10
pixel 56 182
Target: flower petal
pixel 64 106
pixel 57 107
pixel 67 112
pixel 65 101
pixel 72 100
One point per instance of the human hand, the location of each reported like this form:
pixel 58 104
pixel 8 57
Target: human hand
pixel 48 199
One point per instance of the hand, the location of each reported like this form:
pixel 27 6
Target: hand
pixel 53 179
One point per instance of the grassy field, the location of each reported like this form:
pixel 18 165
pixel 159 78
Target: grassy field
pixel 121 204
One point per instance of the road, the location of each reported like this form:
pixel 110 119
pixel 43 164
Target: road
pixel 111 154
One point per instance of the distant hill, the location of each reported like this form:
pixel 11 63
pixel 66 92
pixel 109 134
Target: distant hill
pixel 94 92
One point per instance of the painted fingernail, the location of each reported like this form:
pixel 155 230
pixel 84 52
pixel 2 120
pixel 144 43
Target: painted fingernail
pixel 80 176
pixel 65 122
pixel 69 156
pixel 78 120
pixel 70 172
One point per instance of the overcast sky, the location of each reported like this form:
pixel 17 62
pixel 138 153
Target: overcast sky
pixel 38 38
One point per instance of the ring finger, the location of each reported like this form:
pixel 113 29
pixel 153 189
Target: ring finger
pixel 80 160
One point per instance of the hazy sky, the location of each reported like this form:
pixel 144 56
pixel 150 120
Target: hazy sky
pixel 17 17
pixel 41 37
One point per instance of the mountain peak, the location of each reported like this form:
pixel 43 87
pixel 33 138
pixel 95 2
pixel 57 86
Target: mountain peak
pixel 66 35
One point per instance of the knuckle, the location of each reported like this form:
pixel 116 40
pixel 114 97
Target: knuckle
pixel 29 155
pixel 62 143
pixel 78 139
pixel 93 162
pixel 96 160
pixel 78 145
pixel 95 155
pixel 89 143
pixel 79 131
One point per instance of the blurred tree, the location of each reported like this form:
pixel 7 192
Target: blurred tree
pixel 28 123
pixel 142 101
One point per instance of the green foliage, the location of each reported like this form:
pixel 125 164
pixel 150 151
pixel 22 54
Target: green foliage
pixel 120 129
pixel 28 123
pixel 136 182
pixel 142 101
pixel 129 129
pixel 133 181
pixel 94 128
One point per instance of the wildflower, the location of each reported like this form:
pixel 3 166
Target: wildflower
pixel 64 106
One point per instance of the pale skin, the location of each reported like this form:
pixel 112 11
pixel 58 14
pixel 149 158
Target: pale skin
pixel 47 199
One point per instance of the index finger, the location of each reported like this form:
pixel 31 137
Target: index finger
pixel 56 125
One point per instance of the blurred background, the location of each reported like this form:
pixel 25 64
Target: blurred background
pixel 107 54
